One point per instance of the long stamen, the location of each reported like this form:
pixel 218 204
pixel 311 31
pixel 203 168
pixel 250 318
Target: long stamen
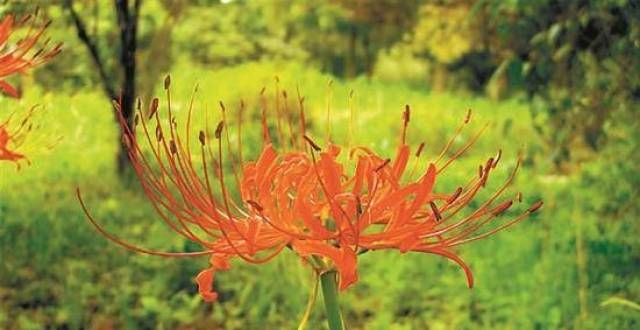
pixel 234 163
pixel 352 114
pixel 131 246
pixel 151 184
pixel 303 124
pixel 289 119
pixel 328 104
pixel 330 198
pixel 240 119
pixel 406 116
pixel 188 124
pixel 266 137
pixel 225 195
pixel 464 148
pixel 523 216
pixel 278 113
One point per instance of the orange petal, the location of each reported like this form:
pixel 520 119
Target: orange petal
pixel 400 163
pixel 205 278
pixel 344 258
pixel 205 285
pixel 303 210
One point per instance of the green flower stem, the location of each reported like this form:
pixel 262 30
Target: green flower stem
pixel 329 282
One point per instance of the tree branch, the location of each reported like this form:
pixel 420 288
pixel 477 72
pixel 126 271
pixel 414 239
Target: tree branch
pixel 93 50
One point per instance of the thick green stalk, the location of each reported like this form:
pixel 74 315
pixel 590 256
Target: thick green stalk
pixel 329 283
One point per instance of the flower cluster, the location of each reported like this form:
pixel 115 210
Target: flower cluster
pixel 17 59
pixel 12 137
pixel 304 197
pixel 25 54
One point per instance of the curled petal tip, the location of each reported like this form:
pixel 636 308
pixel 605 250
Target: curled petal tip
pixel 204 281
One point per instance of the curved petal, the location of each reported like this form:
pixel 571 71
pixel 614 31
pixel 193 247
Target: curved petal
pixel 205 278
pixel 344 258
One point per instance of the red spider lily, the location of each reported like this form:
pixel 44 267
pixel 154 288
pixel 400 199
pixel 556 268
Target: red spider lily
pixel 12 138
pixel 22 56
pixel 304 197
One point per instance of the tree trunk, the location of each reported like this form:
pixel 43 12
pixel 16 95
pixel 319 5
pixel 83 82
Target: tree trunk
pixel 351 58
pixel 368 56
pixel 125 91
pixel 128 25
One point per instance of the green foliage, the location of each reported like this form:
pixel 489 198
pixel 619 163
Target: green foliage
pixel 578 61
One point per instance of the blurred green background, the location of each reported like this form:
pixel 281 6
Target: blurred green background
pixel 558 81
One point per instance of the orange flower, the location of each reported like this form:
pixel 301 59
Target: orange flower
pixel 304 197
pixel 17 60
pixel 21 57
pixel 12 137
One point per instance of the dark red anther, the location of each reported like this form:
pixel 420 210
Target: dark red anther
pixel 311 143
pixel 419 151
pixel 502 207
pixel 489 164
pixel 455 195
pixel 535 206
pixel 37 53
pixel 158 133
pixel 202 138
pixel 55 51
pixel 407 114
pixel 435 211
pixel 153 107
pixel 167 82
pixel 26 18
pixel 480 171
pixel 255 205
pixel 467 118
pixel 172 147
pixel 219 129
